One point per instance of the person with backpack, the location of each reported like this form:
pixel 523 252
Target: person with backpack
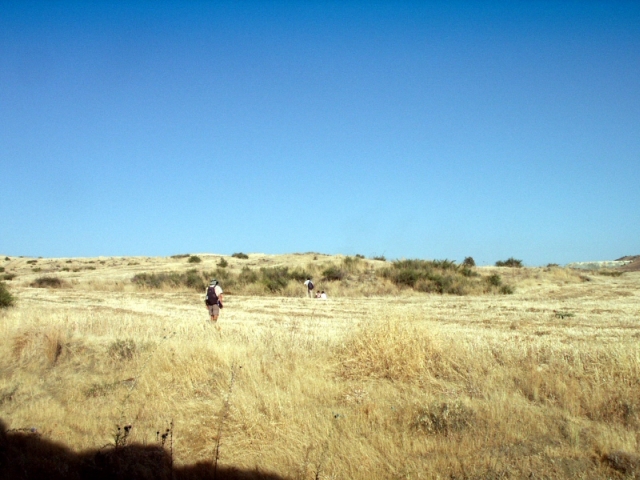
pixel 213 300
pixel 309 285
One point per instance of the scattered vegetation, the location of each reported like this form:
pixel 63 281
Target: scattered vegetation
pixel 6 299
pixel 510 262
pixel 1 269
pixel 381 258
pixel 194 259
pixel 8 276
pixel 181 255
pixel 240 255
pixel 32 262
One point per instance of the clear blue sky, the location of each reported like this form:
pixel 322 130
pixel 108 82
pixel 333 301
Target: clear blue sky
pixel 404 129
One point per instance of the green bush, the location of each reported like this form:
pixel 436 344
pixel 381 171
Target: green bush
pixel 494 280
pixel 275 278
pixel 381 258
pixel 240 255
pixel 8 276
pixel 47 282
pixel 194 259
pixel 333 273
pixel 437 276
pixel 507 289
pixel 1 269
pixel 6 299
pixel 468 262
pixel 31 262
pixel 194 280
pixel 247 276
pixel 299 275
pixel 223 263
pixel 181 255
pixel 510 262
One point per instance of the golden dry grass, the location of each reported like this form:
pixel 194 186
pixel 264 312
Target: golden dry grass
pixel 545 382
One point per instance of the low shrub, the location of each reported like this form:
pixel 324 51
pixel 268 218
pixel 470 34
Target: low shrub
pixel 6 299
pixel 191 279
pixel 333 274
pixel 507 289
pixel 47 282
pixel 275 279
pixel 438 276
pixel 381 258
pixel 247 276
pixel 444 418
pixel 9 276
pixel 240 255
pixel 181 255
pixel 610 273
pixel 194 259
pixel 1 269
pixel 494 280
pixel 510 262
pixel 31 262
pixel 469 262
pixel 122 349
pixel 223 263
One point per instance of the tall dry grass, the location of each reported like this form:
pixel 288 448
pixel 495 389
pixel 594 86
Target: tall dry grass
pixel 411 386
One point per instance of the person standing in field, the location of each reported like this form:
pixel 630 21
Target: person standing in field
pixel 309 285
pixel 213 300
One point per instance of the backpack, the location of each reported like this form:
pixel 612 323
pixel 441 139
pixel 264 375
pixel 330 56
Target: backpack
pixel 211 298
pixel 310 285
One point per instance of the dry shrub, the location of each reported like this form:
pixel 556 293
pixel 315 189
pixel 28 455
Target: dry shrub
pixel 32 345
pixel 392 351
pixel 120 350
pixel 53 344
pixel 444 418
pixel 48 282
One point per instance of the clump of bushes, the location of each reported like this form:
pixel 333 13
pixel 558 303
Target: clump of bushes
pixel 194 259
pixel 381 258
pixel 437 276
pixel 468 262
pixel 191 279
pixel 240 255
pixel 48 282
pixel 6 299
pixel 223 263
pixel 8 276
pixel 181 255
pixel 275 278
pixel 333 273
pixel 510 262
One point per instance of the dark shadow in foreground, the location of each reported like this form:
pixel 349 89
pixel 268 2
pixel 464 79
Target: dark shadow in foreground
pixel 25 455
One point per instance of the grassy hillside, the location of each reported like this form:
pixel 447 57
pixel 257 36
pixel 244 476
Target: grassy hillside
pixel 381 381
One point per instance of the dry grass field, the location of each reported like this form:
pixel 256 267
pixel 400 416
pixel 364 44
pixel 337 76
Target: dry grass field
pixel 374 383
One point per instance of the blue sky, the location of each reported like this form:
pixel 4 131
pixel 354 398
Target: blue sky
pixel 404 129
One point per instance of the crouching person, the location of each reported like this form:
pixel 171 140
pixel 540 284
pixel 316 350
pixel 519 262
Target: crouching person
pixel 213 300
